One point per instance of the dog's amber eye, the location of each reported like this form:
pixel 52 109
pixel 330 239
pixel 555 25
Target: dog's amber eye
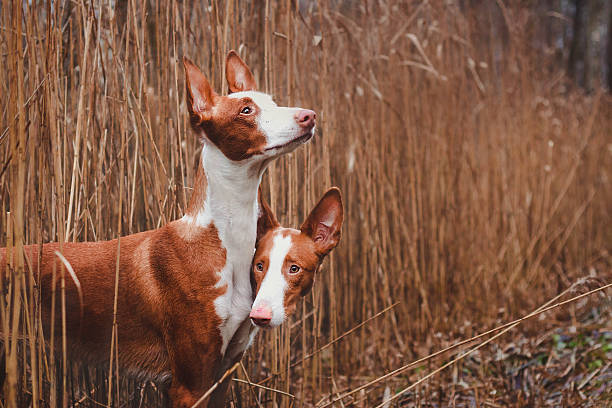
pixel 246 110
pixel 294 269
pixel 259 266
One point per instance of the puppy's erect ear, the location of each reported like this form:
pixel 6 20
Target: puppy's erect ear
pixel 266 221
pixel 324 223
pixel 238 75
pixel 199 93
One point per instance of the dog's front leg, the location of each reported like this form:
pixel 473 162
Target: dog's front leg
pixel 195 359
pixel 182 396
pixel 218 398
pixel 191 379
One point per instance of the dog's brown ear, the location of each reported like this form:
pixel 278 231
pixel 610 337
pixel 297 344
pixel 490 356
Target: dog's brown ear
pixel 266 220
pixel 199 93
pixel 324 223
pixel 238 75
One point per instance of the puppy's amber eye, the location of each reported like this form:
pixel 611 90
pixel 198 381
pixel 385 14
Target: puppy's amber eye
pixel 259 266
pixel 246 110
pixel 294 269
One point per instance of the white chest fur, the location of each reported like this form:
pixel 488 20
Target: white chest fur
pixel 234 305
pixel 231 206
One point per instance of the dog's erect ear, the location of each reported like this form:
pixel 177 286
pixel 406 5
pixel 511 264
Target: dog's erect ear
pixel 238 75
pixel 266 220
pixel 324 223
pixel 199 93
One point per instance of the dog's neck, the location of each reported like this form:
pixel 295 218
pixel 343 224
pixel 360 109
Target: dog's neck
pixel 224 193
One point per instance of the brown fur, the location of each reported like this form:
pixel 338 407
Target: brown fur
pixel 165 291
pixel 236 135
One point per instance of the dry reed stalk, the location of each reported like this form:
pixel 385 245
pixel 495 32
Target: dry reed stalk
pixel 252 386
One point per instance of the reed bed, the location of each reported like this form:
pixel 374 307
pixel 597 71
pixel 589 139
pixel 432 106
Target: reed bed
pixel 476 177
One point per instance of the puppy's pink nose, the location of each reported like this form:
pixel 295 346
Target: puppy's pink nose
pixel 305 118
pixel 261 315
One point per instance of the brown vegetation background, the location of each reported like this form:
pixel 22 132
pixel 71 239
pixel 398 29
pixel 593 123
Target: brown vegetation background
pixel 476 176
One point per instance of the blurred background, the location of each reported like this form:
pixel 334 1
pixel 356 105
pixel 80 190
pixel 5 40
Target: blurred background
pixel 472 141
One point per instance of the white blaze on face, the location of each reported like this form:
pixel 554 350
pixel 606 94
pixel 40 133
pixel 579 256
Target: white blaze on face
pixel 274 285
pixel 276 122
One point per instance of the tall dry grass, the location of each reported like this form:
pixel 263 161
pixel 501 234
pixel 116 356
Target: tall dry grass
pixel 476 179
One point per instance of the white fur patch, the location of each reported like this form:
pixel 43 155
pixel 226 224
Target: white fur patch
pixel 274 285
pixel 231 206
